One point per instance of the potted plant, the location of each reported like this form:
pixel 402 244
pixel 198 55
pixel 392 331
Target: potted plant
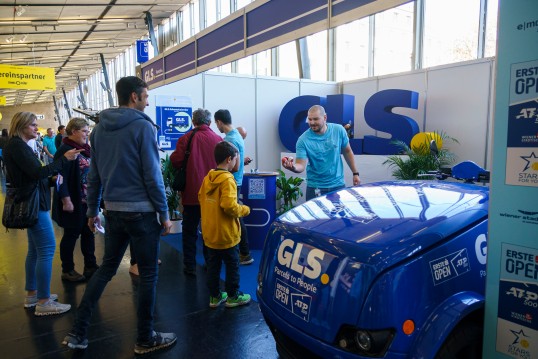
pixel 172 197
pixel 419 159
pixel 289 191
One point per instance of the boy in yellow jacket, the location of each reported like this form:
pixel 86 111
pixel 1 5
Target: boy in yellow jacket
pixel 220 227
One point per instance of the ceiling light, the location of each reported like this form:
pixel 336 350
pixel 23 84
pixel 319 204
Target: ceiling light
pixel 10 38
pixel 19 10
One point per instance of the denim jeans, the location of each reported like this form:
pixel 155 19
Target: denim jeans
pixel 191 221
pixel 143 231
pixel 243 244
pixel 311 191
pixel 41 247
pixel 87 244
pixel 230 257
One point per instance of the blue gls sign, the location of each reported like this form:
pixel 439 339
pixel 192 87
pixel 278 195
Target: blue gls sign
pixel 377 113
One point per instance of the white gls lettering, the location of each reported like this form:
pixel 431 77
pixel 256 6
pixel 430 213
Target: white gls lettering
pixel 289 256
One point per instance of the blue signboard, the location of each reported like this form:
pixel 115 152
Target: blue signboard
pixel 174 118
pixel 142 51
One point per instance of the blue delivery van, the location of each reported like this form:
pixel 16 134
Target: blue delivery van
pixel 391 269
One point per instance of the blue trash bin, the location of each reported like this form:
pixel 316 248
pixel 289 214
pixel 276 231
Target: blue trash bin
pixel 259 193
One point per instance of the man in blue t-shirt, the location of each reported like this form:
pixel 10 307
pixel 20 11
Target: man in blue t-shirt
pixel 223 120
pixel 49 147
pixel 318 151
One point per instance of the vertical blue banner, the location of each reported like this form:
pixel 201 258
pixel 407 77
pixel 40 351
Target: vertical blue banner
pixel 174 117
pixel 511 315
pixel 142 51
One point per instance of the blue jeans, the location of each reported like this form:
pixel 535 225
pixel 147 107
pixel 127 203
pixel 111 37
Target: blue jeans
pixel 41 247
pixel 230 257
pixel 311 191
pixel 143 231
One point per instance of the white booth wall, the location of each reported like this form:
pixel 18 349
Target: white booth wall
pixel 455 99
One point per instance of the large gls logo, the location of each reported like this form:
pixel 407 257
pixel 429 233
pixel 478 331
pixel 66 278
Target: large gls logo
pixel 289 255
pixel 341 109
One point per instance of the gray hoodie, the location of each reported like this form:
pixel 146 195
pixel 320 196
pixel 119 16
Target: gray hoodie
pixel 125 167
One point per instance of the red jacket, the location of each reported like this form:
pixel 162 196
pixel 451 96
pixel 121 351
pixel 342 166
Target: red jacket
pixel 200 161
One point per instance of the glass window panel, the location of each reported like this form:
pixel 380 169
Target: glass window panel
pixel 244 66
pixel 393 40
pixel 263 63
pixel 491 28
pixel 224 9
pixel 287 60
pixel 186 22
pixel 242 3
pixel 352 50
pixel 317 54
pixel 195 8
pixel 211 11
pixel 450 31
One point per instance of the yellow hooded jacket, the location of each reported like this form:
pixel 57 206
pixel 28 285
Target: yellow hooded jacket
pixel 220 210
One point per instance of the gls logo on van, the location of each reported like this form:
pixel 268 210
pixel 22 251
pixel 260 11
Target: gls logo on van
pixel 289 255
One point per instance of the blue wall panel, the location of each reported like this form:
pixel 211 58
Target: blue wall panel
pixel 287 28
pixel 221 37
pixel 347 5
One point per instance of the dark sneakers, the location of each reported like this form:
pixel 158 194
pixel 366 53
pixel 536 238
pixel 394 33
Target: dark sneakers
pixel 245 259
pixel 159 341
pixel 74 341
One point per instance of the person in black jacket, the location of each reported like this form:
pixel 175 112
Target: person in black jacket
pixel 69 204
pixel 25 169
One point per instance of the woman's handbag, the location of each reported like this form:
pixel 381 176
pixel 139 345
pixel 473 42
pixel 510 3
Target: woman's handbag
pixel 21 208
pixel 180 177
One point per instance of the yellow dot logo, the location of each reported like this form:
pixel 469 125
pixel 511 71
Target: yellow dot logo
pixel 324 278
pixel 524 343
pixel 535 166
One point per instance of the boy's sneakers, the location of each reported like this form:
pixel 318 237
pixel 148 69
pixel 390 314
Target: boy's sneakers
pixel 51 308
pixel 159 341
pixel 216 301
pixel 73 276
pixel 239 299
pixel 245 259
pixel 74 341
pixel 31 301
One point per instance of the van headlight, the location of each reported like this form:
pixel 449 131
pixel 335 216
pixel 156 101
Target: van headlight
pixel 372 343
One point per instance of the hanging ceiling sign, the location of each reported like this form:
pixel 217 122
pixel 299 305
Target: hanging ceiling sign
pixel 27 78
pixel 2 100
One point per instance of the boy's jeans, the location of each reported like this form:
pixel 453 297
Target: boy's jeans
pixel 230 257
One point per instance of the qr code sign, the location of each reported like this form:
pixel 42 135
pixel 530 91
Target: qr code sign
pixel 256 188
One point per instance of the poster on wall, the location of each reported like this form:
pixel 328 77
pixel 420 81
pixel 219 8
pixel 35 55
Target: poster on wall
pixel 174 118
pixel 517 320
pixel 522 144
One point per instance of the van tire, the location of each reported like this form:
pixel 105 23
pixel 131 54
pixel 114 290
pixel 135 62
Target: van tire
pixel 465 342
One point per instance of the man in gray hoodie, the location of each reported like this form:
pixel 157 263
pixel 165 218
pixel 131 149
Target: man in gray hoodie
pixel 125 170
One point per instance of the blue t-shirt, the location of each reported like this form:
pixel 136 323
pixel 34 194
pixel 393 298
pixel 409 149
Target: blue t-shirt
pixel 235 138
pixel 323 152
pixel 49 143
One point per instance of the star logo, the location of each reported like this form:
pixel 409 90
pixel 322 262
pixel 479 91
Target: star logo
pixel 520 336
pixel 532 161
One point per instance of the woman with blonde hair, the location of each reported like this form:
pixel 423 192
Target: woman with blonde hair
pixel 69 205
pixel 25 169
